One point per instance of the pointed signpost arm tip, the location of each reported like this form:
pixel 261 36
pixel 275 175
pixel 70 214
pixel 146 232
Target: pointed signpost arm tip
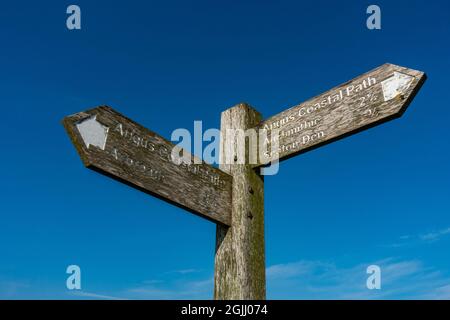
pixel 75 138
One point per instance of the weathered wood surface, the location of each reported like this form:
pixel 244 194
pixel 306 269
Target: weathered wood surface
pixel 118 147
pixel 368 100
pixel 240 257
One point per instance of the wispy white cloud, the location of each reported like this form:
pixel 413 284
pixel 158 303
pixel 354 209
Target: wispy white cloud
pixel 152 282
pixel 440 293
pixel 173 289
pixel 178 284
pixel 434 236
pixel 12 288
pixel 424 238
pixel 92 295
pixel 184 271
pixel 294 269
pixel 408 279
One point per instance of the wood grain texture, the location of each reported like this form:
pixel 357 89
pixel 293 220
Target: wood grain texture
pixel 344 110
pixel 142 159
pixel 240 251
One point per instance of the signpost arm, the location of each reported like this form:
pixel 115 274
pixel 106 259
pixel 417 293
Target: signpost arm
pixel 240 249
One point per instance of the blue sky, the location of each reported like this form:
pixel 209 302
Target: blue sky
pixel 379 197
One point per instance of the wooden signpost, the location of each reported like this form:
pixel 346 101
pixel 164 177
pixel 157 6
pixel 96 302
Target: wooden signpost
pixel 233 196
pixel 375 97
pixel 118 147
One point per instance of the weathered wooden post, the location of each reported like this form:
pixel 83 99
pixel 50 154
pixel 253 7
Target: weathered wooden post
pixel 240 249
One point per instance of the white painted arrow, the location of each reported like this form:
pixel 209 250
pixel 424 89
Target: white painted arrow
pixel 93 132
pixel 396 85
